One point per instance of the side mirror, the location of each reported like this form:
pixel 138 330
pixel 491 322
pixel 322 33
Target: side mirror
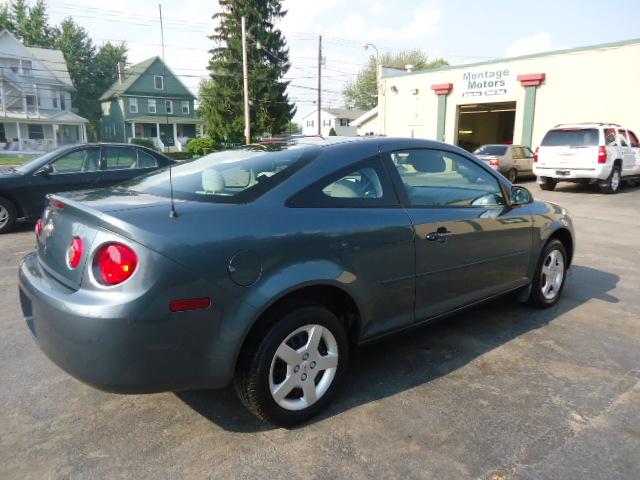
pixel 520 196
pixel 45 170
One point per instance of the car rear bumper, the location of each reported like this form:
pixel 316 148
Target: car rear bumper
pixel 110 348
pixel 599 172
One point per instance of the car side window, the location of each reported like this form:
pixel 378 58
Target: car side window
pixel 634 139
pixel 146 160
pixel 623 138
pixel 78 161
pixel 609 136
pixel 527 152
pixel 435 178
pixel 119 158
pixel 365 184
pixel 516 153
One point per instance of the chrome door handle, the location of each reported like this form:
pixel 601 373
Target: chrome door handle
pixel 440 236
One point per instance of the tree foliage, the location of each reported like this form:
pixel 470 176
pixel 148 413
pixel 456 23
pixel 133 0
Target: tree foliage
pixel 92 69
pixel 221 96
pixel 362 93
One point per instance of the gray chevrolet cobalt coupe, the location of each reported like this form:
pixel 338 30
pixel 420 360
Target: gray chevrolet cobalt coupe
pixel 267 265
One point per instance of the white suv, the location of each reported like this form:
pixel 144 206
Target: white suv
pixel 602 153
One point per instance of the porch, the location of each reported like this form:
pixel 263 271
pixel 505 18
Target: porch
pixel 33 137
pixel 172 136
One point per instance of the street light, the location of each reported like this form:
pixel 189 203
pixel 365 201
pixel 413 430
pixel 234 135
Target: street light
pixel 367 46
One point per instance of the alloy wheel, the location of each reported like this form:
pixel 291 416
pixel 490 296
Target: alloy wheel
pixel 303 367
pixel 552 274
pixel 4 216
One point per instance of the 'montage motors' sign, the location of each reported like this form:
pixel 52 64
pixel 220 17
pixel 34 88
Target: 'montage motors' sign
pixel 481 83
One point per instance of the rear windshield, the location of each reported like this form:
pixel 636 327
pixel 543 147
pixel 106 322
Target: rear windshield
pixel 233 176
pixel 579 137
pixel 491 150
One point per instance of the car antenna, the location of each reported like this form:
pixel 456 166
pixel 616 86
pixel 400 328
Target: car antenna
pixel 172 212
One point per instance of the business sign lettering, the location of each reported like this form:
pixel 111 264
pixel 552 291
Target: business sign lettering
pixel 486 83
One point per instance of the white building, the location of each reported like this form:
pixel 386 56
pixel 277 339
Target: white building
pixel 35 99
pixel 337 118
pixel 513 100
pixel 367 124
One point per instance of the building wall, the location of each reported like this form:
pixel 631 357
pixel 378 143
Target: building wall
pixel 143 106
pixel 582 85
pixel 370 127
pixel 328 121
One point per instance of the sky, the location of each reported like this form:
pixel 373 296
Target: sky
pixel 461 31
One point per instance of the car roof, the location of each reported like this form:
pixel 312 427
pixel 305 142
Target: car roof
pixel 587 125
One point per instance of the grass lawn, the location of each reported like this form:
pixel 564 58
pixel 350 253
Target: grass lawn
pixel 14 160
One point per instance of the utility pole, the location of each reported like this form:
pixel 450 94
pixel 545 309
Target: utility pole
pixel 319 84
pixel 161 30
pixel 245 79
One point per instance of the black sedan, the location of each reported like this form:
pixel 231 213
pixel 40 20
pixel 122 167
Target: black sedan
pixel 78 167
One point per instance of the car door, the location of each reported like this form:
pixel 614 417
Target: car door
pixel 353 219
pixel 635 146
pixel 469 244
pixel 628 154
pixel 516 158
pixel 121 163
pixel 78 169
pixel 527 160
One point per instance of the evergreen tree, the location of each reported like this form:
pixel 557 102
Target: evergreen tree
pixel 362 92
pixel 221 97
pixel 30 24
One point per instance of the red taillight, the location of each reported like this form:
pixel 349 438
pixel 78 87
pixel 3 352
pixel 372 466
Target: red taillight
pixel 57 204
pixel 494 163
pixel 602 155
pixel 189 304
pixel 116 263
pixel 535 155
pixel 38 228
pixel 74 254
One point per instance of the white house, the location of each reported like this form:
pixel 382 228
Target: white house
pixel 367 123
pixel 337 118
pixel 35 99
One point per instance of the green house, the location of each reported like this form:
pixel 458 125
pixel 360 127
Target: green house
pixel 149 101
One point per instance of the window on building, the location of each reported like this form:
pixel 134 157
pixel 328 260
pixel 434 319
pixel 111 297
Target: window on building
pixel 31 100
pixel 106 108
pixel 27 67
pixel 62 104
pixel 158 82
pixel 115 132
pixel 184 105
pixel 344 122
pixel 133 105
pixel 36 132
pixel 309 123
pixel 151 105
pixel 326 123
pixel 54 100
pixel 169 106
pixel 3 134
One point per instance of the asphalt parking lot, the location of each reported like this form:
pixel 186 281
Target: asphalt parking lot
pixel 501 392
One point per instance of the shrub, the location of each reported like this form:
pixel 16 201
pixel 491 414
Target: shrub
pixel 143 142
pixel 201 146
pixel 180 155
pixel 332 132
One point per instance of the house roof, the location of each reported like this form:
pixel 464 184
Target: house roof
pixel 349 114
pixel 45 117
pixel 132 74
pixel 366 116
pixel 54 61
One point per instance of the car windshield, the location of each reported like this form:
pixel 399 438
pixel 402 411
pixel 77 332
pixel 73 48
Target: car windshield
pixel 233 176
pixel 36 163
pixel 491 150
pixel 571 137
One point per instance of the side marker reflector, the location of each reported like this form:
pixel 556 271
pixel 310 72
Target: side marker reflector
pixel 185 304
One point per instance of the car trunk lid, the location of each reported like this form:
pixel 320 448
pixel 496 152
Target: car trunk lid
pixel 570 148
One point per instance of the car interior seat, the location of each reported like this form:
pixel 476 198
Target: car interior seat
pixel 213 182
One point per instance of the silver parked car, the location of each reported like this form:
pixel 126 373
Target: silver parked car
pixel 512 161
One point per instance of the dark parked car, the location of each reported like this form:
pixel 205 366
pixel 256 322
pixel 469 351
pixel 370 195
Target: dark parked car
pixel 277 263
pixel 79 167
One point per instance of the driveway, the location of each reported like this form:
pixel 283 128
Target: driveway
pixel 501 392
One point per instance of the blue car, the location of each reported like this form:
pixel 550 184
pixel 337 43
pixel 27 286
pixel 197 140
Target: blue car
pixel 267 266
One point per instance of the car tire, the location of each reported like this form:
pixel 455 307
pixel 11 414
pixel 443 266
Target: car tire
pixel 547 183
pixel 550 275
pixel 512 175
pixel 613 182
pixel 7 216
pixel 286 392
